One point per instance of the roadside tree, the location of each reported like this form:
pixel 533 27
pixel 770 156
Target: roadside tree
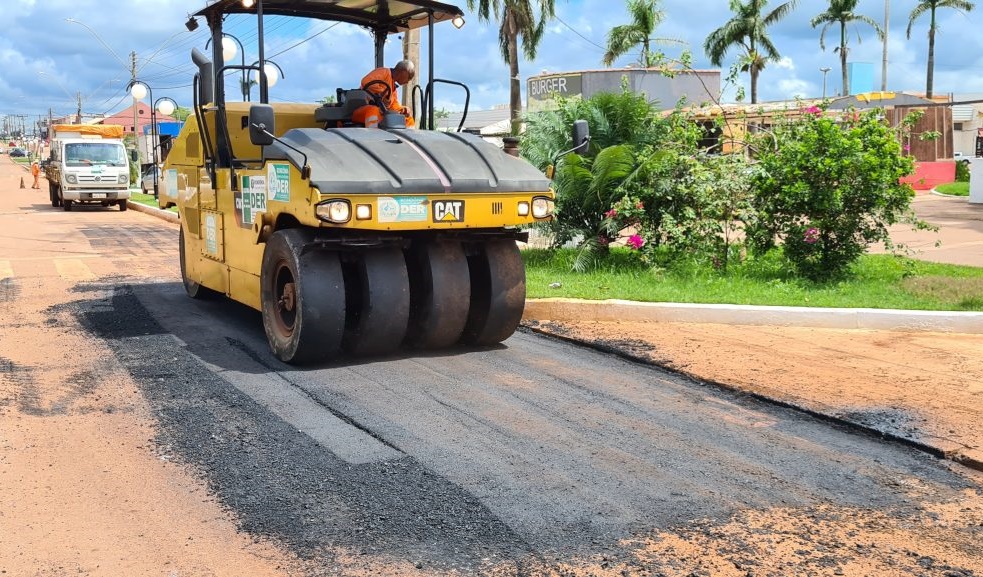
pixel 931 6
pixel 645 18
pixel 517 18
pixel 842 12
pixel 748 30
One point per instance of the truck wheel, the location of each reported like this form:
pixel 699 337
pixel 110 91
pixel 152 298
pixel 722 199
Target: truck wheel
pixel 498 292
pixel 122 205
pixel 194 290
pixel 440 294
pixel 67 205
pixel 378 301
pixel 303 299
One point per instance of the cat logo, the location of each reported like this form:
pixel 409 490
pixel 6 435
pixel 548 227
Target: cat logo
pixel 448 211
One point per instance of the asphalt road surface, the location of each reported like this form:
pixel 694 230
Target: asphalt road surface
pixel 536 456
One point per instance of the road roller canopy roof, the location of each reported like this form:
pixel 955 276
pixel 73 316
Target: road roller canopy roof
pixel 391 15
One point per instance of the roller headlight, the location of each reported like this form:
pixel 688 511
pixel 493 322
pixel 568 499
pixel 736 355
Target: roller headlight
pixel 363 211
pixel 542 207
pixel 124 179
pixel 523 208
pixel 71 179
pixel 337 211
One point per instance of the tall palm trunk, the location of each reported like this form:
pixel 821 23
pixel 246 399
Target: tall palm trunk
pixel 843 56
pixel 754 83
pixel 515 89
pixel 930 75
pixel 753 70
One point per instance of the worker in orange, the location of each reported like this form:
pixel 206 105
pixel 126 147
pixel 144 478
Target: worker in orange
pixel 398 75
pixel 35 172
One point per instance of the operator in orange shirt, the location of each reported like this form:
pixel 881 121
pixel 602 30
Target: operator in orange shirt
pixel 398 75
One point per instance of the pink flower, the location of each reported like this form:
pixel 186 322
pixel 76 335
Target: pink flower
pixel 811 236
pixel 640 205
pixel 611 213
pixel 636 242
pixel 906 148
pixel 814 110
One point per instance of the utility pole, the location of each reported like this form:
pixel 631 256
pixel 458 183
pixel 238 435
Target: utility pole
pixel 133 77
pixel 78 111
pixel 887 26
pixel 411 52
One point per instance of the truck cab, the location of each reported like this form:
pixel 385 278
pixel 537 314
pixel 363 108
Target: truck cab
pixel 88 165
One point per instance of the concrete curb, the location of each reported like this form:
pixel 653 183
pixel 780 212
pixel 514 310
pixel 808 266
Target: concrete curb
pixel 560 309
pixel 161 214
pixel 619 310
pixel 873 319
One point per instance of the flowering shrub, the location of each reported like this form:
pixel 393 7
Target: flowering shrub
pixel 683 205
pixel 827 189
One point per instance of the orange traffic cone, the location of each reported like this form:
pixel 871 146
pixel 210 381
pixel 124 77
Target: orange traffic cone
pixel 22 182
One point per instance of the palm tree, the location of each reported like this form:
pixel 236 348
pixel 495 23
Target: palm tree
pixel 841 11
pixel 516 18
pixel 748 30
pixel 645 17
pixel 931 6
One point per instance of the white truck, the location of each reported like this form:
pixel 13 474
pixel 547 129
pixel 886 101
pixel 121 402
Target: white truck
pixel 88 164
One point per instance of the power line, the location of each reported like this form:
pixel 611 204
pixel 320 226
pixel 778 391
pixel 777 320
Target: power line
pixel 575 31
pixel 308 39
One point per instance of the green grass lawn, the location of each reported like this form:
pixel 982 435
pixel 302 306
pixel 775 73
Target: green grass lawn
pixel 880 281
pixel 148 199
pixel 954 188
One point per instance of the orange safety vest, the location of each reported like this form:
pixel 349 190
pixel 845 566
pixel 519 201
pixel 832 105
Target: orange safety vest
pixel 35 170
pixel 385 75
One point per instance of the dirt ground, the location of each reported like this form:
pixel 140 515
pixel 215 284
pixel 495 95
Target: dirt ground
pixel 84 490
pixel 926 387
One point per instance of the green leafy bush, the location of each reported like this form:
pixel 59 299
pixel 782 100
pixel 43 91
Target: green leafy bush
pixel 827 189
pixel 681 203
pixel 962 171
pixel 614 119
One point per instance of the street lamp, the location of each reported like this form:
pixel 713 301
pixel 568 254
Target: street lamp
pixel 166 106
pixel 77 98
pixel 270 69
pixel 229 43
pixel 824 70
pixel 139 90
pixel 132 71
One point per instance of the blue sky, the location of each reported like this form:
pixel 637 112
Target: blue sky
pixel 37 38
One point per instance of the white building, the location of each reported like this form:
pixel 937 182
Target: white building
pixel 967 125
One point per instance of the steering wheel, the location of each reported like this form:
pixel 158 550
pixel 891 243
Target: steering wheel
pixel 380 98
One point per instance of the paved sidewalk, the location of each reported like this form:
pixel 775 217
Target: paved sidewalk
pixel 959 239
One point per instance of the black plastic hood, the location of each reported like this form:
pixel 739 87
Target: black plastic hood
pixel 387 162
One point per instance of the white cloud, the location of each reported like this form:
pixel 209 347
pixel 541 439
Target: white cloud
pixel 785 63
pixel 796 88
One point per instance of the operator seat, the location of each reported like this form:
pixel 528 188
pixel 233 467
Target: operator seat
pixel 340 114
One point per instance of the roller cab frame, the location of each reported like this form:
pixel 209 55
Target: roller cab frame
pixel 350 240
